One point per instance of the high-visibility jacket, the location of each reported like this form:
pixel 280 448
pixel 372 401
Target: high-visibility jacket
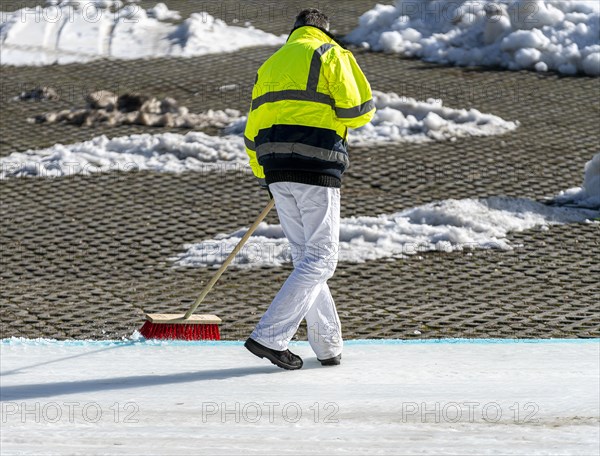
pixel 306 96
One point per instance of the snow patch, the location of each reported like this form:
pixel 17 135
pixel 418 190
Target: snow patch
pixel 406 119
pixel 589 194
pixel 83 31
pixel 165 152
pixel 444 226
pixel 162 12
pixel 558 35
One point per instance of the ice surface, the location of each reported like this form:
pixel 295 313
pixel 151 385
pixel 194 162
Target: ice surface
pixel 387 397
pixel 82 31
pixel 559 35
pixel 443 226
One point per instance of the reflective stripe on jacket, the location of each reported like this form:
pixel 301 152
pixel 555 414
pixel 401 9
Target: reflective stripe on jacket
pixel 306 96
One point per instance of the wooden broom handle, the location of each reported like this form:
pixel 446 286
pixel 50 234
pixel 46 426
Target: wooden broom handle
pixel 229 259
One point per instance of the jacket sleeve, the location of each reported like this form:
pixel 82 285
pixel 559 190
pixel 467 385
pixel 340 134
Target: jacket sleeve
pixel 249 135
pixel 354 105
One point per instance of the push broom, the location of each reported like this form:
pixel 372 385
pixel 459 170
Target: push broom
pixel 196 327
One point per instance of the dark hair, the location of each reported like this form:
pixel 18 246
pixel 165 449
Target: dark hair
pixel 312 17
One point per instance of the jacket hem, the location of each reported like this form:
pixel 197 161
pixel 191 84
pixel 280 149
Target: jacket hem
pixel 303 177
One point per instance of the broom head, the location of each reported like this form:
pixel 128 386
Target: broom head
pixel 175 327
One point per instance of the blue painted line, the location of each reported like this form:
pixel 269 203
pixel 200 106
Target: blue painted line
pixel 466 341
pixel 204 343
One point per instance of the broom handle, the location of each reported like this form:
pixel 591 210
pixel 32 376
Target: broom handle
pixel 229 259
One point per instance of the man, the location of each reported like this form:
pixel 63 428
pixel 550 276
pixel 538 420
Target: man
pixel 305 98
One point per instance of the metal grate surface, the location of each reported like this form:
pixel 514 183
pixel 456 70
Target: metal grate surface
pixel 85 256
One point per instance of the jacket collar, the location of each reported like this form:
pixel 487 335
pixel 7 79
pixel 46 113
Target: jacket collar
pixel 311 31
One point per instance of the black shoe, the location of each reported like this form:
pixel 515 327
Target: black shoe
pixel 284 359
pixel 335 361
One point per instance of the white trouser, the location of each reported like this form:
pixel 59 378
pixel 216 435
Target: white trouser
pixel 310 218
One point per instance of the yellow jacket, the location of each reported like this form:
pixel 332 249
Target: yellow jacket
pixel 306 96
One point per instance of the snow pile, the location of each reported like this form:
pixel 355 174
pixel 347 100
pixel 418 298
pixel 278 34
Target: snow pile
pixel 165 152
pixel 511 397
pixel 82 31
pixel 406 119
pixel 445 226
pixel 203 34
pixel 162 12
pixel 589 194
pixel 559 35
pixel 131 109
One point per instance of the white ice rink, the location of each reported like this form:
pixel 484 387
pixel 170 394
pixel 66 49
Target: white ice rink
pixel 388 397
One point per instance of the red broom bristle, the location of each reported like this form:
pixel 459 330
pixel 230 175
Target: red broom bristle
pixel 180 331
